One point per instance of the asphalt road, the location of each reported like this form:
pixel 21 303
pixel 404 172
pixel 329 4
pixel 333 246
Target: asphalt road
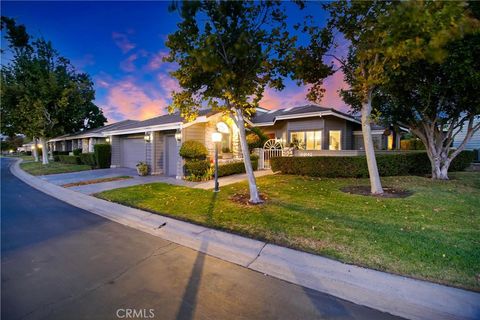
pixel 61 262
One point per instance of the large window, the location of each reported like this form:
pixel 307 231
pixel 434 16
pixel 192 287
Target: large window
pixel 306 140
pixel 335 140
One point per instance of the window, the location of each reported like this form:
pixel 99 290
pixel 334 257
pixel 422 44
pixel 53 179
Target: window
pixel 335 140
pixel 306 140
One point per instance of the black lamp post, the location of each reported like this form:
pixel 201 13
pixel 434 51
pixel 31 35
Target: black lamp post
pixel 216 138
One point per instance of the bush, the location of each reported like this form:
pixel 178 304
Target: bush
pixel 70 159
pixel 77 152
pixel 412 144
pixel 235 168
pixel 196 167
pixel 193 150
pixel 56 155
pixel 256 138
pixel 103 155
pixel 88 159
pixel 416 163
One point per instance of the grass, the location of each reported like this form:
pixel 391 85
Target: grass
pixel 37 168
pixel 433 234
pixel 93 181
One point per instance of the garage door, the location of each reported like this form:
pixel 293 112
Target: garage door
pixel 133 151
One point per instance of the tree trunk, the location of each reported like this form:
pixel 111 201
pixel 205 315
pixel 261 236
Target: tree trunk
pixel 35 149
pixel 43 142
pixel 375 183
pixel 252 184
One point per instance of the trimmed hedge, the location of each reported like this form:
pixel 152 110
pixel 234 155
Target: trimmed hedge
pixel 88 159
pixel 192 149
pixel 235 167
pixel 70 159
pixel 103 155
pixel 77 152
pixel 196 167
pixel 356 167
pixel 57 154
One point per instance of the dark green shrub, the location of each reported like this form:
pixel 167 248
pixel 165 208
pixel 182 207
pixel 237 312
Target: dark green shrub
pixel 88 159
pixel 77 152
pixel 256 138
pixel 416 163
pixel 234 168
pixel 196 167
pixel 193 150
pixel 69 159
pixel 103 155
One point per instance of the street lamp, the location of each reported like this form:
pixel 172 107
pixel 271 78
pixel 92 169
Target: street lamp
pixel 216 138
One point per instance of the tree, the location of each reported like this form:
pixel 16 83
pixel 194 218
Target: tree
pixel 382 36
pixel 42 95
pixel 227 53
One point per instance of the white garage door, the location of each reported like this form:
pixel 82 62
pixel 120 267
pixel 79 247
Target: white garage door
pixel 133 151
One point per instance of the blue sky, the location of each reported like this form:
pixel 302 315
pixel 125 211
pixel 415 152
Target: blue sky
pixel 121 45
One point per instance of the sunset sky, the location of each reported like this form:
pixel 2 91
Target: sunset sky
pixel 121 45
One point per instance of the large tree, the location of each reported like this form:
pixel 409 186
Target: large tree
pixel 227 53
pixel 381 36
pixel 42 94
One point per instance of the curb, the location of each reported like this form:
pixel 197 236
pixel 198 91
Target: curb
pixel 397 295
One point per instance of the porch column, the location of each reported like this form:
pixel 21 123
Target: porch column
pixel 50 150
pixel 179 137
pixel 90 145
pixel 64 145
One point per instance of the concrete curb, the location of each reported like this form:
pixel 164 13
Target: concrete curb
pixel 401 296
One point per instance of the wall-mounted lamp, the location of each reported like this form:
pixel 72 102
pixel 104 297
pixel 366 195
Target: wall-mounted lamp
pixel 178 136
pixel 33 147
pixel 147 137
pixel 216 137
pixel 107 140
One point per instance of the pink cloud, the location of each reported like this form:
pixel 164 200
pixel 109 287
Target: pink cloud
pixel 128 65
pixel 122 41
pixel 168 83
pixel 84 61
pixel 332 86
pixel 156 61
pixel 284 99
pixel 127 100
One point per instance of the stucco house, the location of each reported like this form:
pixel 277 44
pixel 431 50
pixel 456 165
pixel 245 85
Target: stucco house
pixel 156 141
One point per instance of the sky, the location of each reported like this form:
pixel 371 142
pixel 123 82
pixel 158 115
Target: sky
pixel 121 46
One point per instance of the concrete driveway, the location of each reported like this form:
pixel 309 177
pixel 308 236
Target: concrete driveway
pixel 71 177
pixel 61 262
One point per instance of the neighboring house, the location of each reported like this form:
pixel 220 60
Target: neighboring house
pixel 84 140
pixel 156 141
pixel 474 142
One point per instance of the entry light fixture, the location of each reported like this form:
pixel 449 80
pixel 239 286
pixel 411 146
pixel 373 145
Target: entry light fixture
pixel 147 137
pixel 216 137
pixel 33 147
pixel 107 140
pixel 178 136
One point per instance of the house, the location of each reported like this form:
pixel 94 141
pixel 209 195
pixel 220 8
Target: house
pixel 156 141
pixel 474 142
pixel 84 140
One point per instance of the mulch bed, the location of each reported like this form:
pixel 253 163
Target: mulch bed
pixel 84 183
pixel 243 198
pixel 388 192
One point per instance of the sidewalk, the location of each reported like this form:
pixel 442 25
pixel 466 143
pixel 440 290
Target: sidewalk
pixel 401 296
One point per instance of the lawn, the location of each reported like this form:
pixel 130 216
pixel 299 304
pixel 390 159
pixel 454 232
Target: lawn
pixel 37 168
pixel 433 234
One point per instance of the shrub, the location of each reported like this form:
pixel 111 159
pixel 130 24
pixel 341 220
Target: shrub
pixel 196 167
pixel 193 150
pixel 88 159
pixel 235 168
pixel 416 163
pixel 142 168
pixel 412 144
pixel 103 154
pixel 77 152
pixel 256 138
pixel 69 159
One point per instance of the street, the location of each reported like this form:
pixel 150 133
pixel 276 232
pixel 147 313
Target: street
pixel 61 262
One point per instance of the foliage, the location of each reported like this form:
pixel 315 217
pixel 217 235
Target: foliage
pixel 431 235
pixel 142 168
pixel 56 154
pixel 196 167
pixel 256 138
pixel 235 168
pixel 70 159
pixel 103 155
pixel 192 149
pixel 88 159
pixel 12 143
pixel 412 144
pixel 77 152
pixel 356 167
pixel 42 94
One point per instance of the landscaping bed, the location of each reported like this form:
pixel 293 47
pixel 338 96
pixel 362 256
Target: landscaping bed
pixel 93 181
pixel 38 169
pixel 433 234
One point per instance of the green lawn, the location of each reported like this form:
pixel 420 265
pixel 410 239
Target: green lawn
pixel 433 234
pixel 37 168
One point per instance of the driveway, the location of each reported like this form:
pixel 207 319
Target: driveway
pixel 61 262
pixel 71 177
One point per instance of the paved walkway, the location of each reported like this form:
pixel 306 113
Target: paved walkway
pixel 71 177
pixel 62 262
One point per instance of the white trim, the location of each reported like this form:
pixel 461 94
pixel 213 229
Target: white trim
pixel 306 115
pixel 167 126
pixel 359 133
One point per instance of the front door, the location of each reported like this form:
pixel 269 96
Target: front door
pixel 171 156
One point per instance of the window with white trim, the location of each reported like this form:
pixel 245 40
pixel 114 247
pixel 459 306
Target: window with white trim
pixel 306 140
pixel 335 140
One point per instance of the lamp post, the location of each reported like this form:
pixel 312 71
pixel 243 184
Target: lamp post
pixel 216 138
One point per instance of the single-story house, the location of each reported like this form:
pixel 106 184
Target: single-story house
pixel 156 141
pixel 474 142
pixel 84 140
